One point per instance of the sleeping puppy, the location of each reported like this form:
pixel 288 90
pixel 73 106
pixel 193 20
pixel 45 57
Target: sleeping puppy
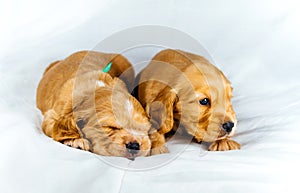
pixel 88 109
pixel 183 91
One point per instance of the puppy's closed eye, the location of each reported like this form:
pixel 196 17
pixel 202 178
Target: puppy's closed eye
pixel 115 128
pixel 204 102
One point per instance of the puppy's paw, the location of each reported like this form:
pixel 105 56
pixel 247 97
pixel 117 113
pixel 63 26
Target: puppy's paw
pixel 224 145
pixel 78 143
pixel 159 150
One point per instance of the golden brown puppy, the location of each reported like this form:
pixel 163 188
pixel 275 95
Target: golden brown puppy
pixel 86 108
pixel 183 90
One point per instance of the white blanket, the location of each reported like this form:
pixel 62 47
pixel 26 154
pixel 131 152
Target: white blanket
pixel 255 43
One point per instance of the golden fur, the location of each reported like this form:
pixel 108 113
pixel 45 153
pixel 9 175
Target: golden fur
pixel 86 108
pixel 170 89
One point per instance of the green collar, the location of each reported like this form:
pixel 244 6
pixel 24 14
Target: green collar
pixel 107 67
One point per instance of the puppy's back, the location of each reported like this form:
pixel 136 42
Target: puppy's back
pixel 180 59
pixel 59 72
pixel 165 72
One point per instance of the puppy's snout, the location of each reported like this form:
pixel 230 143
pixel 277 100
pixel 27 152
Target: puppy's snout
pixel 133 148
pixel 227 127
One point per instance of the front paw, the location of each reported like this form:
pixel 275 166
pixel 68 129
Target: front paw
pixel 224 145
pixel 78 143
pixel 159 150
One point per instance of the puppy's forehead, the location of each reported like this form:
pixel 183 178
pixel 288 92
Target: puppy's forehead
pixel 208 92
pixel 210 82
pixel 127 112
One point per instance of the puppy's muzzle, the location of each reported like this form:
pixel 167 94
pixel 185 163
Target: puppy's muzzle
pixel 133 148
pixel 227 127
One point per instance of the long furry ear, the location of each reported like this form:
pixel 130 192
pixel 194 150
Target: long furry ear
pixel 50 118
pixel 60 127
pixel 160 111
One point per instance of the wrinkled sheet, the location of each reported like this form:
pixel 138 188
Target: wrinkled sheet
pixel 255 43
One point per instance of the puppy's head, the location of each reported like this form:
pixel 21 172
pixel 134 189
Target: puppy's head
pixel 112 120
pixel 207 112
pixel 180 89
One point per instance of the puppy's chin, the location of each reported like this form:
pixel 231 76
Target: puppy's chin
pixel 208 134
pixel 209 138
pixel 120 151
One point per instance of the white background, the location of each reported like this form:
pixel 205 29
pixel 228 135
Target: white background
pixel 256 44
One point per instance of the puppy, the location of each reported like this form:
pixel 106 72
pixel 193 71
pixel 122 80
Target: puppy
pixel 86 108
pixel 183 90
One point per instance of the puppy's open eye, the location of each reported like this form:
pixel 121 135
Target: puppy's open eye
pixel 204 101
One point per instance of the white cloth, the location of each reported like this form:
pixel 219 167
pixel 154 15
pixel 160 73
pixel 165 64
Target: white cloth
pixel 255 43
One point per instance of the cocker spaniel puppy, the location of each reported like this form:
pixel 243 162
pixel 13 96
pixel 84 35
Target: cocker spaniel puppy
pixel 86 108
pixel 185 92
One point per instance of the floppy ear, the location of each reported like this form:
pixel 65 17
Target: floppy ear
pixel 60 127
pixel 160 111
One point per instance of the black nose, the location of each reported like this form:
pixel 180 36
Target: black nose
pixel 228 126
pixel 133 147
